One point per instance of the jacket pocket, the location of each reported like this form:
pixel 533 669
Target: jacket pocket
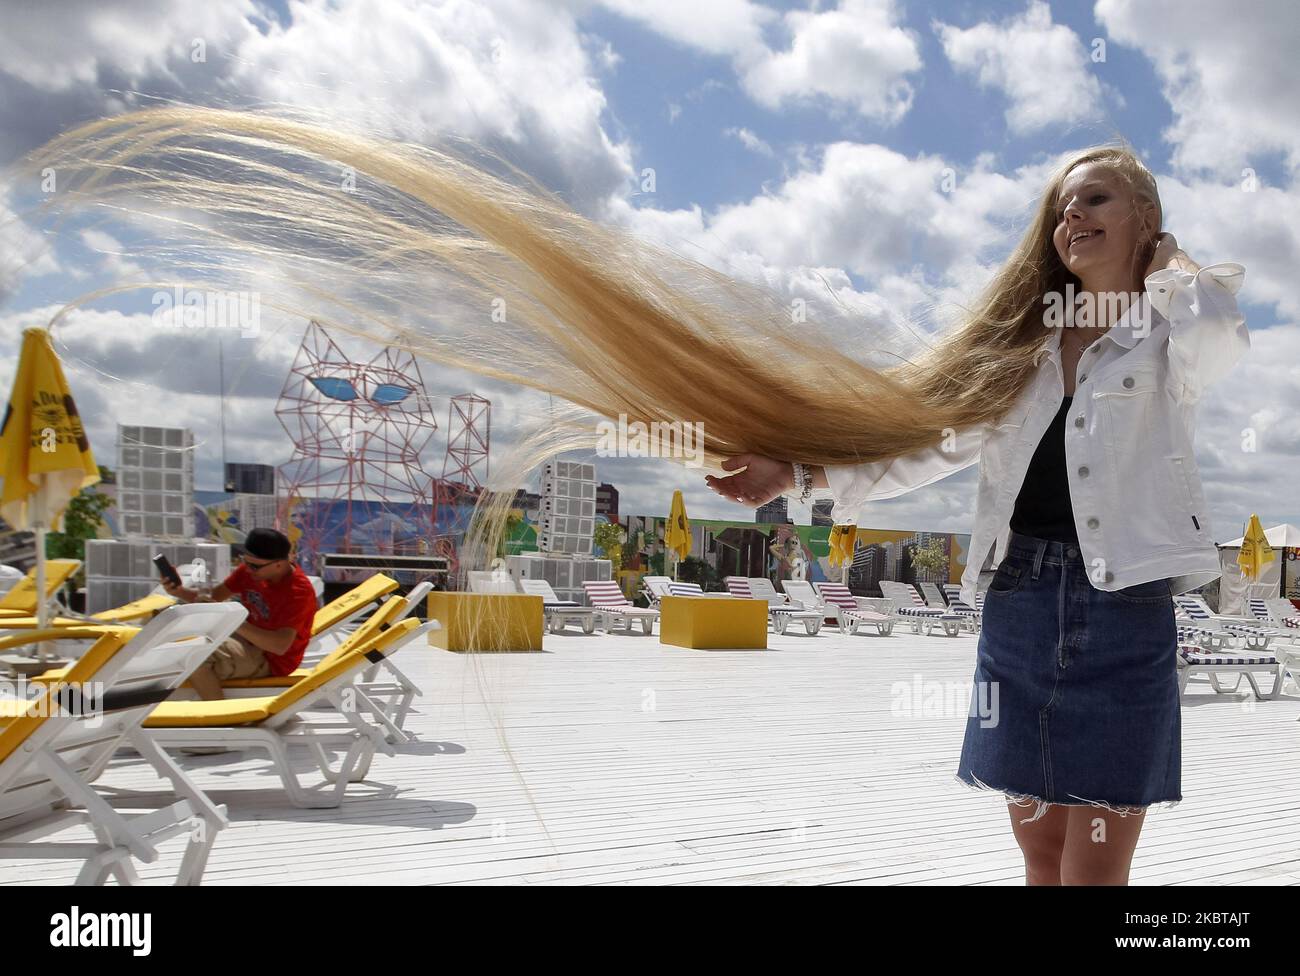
pixel 1133 379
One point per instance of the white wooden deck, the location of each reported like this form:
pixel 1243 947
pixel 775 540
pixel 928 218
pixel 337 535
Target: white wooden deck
pixel 616 760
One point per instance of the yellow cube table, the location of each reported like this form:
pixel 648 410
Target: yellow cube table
pixel 713 622
pixel 508 621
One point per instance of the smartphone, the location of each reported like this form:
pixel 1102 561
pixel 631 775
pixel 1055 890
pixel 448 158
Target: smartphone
pixel 166 570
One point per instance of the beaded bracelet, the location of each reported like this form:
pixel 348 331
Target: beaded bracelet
pixel 803 481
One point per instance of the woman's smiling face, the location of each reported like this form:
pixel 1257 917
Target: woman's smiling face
pixel 1098 224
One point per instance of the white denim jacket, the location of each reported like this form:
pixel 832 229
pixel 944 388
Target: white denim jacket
pixel 1136 493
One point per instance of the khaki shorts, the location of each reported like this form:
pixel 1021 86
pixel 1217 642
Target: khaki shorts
pixel 236 658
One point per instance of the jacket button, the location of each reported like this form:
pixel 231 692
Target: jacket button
pixel 1078 421
pixel 1128 382
pixel 1093 523
pixel 1083 471
pixel 1083 378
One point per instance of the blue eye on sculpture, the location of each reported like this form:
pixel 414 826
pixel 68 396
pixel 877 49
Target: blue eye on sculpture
pixel 387 394
pixel 334 387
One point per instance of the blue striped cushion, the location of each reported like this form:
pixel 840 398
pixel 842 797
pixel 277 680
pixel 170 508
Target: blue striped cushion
pixel 1220 657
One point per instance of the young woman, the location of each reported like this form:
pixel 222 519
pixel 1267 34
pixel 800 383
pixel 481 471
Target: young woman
pixel 1089 484
pixel 1094 500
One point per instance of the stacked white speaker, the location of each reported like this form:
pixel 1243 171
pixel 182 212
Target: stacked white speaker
pixel 155 482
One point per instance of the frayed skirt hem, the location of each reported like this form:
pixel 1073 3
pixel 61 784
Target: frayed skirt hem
pixel 1042 806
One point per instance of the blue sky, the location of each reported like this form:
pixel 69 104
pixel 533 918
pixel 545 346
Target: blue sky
pixel 783 137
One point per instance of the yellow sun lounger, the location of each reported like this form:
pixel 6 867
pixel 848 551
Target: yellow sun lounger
pixel 141 609
pixel 328 618
pixel 276 722
pixel 21 601
pixel 56 742
pixel 341 610
pixel 387 702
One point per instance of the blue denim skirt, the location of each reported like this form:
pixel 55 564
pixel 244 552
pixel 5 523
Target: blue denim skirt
pixel 1075 698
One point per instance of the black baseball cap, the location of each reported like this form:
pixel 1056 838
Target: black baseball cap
pixel 267 544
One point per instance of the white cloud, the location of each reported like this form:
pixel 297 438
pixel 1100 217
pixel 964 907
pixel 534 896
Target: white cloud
pixel 1262 395
pixel 749 140
pixel 855 55
pixel 1259 229
pixel 23 251
pixel 719 27
pixel 511 71
pixel 114 262
pixel 1229 75
pixel 56 46
pixel 1041 67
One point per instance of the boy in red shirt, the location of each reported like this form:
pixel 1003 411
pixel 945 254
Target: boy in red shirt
pixel 281 608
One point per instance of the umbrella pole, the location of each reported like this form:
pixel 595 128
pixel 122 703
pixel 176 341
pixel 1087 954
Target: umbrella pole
pixel 42 605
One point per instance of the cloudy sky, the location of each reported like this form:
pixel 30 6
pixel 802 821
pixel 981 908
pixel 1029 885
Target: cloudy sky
pixel 801 144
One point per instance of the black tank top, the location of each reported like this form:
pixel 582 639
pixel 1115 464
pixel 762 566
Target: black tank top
pixel 1043 506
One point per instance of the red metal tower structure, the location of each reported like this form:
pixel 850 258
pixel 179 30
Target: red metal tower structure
pixel 464 469
pixel 358 429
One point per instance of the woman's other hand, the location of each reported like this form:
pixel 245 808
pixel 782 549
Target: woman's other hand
pixel 762 479
pixel 1169 255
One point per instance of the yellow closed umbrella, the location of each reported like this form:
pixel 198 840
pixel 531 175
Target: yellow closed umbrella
pixel 45 458
pixel 839 550
pixel 1255 552
pixel 841 540
pixel 677 534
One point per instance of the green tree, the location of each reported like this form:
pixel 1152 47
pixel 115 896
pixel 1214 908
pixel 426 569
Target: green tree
pixel 932 557
pixel 609 537
pixel 694 570
pixel 82 520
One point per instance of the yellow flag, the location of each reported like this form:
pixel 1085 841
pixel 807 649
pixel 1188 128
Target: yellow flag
pixel 45 458
pixel 677 534
pixel 1255 553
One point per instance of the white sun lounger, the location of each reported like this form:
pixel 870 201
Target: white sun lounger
pixel 1196 610
pixel 655 588
pixel 1193 659
pixel 614 607
pixel 974 615
pixel 50 758
pixel 848 618
pixel 275 723
pixel 909 605
pixel 780 613
pixel 560 613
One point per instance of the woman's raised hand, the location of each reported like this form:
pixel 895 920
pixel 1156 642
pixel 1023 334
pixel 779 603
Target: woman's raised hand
pixel 762 479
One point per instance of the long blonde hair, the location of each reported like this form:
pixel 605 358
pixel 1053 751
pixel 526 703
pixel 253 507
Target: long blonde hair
pixel 431 251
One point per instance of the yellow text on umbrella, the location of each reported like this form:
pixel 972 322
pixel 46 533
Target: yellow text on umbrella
pixel 1255 552
pixel 44 453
